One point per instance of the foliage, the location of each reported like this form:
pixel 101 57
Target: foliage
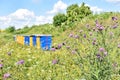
pixel 90 51
pixel 73 12
pixel 10 29
pixel 59 19
pixel 21 31
pixel 76 13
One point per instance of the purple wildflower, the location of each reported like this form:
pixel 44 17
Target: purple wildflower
pixel 118 45
pixel 73 52
pixel 105 53
pixel 101 49
pixel 81 31
pixel 20 62
pixel 9 53
pixel 84 35
pixel 93 29
pixel 76 36
pixel 115 64
pixel 98 56
pixel 71 35
pixel 100 28
pixel 87 25
pixel 94 43
pixel 94 39
pixel 1 60
pixel 68 47
pixel 53 49
pixel 59 46
pixel 97 24
pixel 90 33
pixel 115 26
pixel 6 75
pixel 96 21
pixel 54 61
pixel 76 49
pixel 114 18
pixel 1 66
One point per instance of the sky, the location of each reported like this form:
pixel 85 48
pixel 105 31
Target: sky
pixel 20 13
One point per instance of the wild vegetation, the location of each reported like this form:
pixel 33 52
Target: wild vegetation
pixel 87 49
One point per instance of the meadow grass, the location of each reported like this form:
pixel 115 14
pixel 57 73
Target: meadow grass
pixel 88 51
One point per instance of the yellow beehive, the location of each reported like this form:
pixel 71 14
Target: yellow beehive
pixel 31 41
pixel 38 42
pixel 20 39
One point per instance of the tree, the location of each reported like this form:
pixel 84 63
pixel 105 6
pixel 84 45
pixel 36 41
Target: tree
pixel 84 11
pixel 76 13
pixel 59 19
pixel 72 12
pixel 10 29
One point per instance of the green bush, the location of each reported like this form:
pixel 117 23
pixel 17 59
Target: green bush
pixel 10 29
pixel 59 19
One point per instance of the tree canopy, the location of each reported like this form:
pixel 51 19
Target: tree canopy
pixel 74 13
pixel 59 19
pixel 10 29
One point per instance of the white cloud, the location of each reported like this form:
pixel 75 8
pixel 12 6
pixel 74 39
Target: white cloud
pixel 22 14
pixel 95 9
pixel 44 19
pixel 58 7
pixel 23 17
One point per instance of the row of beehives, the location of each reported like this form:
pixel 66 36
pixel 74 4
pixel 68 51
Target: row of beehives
pixel 39 41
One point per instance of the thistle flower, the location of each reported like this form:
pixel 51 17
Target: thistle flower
pixel 114 18
pixel 53 49
pixel 98 55
pixel 81 31
pixel 6 75
pixel 105 53
pixel 76 36
pixel 9 53
pixel 20 62
pixel 59 46
pixel 87 25
pixel 101 49
pixel 68 47
pixel 94 39
pixel 90 33
pixel 54 61
pixel 73 52
pixel 71 35
pixel 1 66
pixel 115 26
pixel 84 35
pixel 100 28
pixel 94 43
pixel 96 21
pixel 118 45
pixel 115 64
pixel 1 60
pixel 93 29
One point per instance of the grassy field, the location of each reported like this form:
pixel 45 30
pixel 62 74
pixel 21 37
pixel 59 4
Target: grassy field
pixel 89 50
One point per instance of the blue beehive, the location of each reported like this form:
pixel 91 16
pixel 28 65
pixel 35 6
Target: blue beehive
pixel 34 38
pixel 45 42
pixel 14 37
pixel 27 40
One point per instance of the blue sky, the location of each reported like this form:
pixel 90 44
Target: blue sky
pixel 20 13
